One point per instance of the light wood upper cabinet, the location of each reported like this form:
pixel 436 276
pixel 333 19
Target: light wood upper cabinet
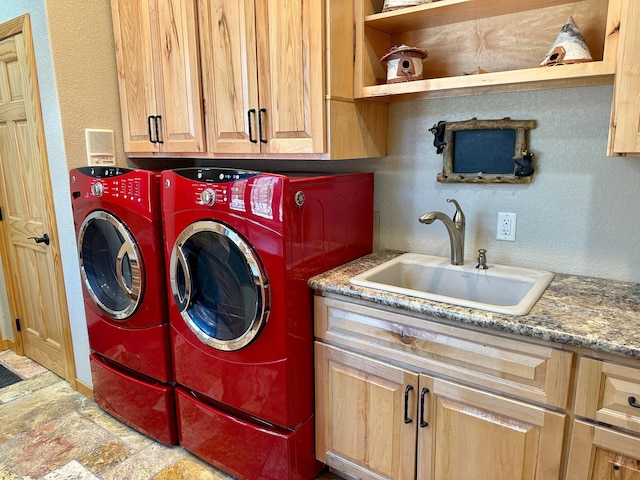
pixel 624 134
pixel 229 77
pixel 262 75
pixel 158 75
pixel 269 85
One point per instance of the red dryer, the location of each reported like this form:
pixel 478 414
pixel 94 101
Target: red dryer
pixel 117 220
pixel 240 247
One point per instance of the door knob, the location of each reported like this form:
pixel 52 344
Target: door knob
pixel 43 239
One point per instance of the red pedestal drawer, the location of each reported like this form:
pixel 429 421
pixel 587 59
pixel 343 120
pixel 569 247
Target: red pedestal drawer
pixel 244 449
pixel 146 406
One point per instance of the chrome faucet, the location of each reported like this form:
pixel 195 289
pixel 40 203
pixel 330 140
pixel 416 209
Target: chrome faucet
pixel 455 229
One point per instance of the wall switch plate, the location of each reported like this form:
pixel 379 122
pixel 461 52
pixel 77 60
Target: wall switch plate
pixel 506 229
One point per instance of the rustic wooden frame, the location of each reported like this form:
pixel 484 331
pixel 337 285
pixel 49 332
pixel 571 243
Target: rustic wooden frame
pixel 449 175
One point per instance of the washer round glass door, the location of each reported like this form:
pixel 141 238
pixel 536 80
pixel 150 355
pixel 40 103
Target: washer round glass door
pixel 219 285
pixel 110 264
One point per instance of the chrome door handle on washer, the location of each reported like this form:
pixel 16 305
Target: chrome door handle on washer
pixel 183 300
pixel 134 290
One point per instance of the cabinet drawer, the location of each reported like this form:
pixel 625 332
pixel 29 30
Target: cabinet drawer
pixel 537 373
pixel 599 453
pixel 607 393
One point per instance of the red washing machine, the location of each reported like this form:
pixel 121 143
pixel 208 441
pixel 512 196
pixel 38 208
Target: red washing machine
pixel 117 219
pixel 240 247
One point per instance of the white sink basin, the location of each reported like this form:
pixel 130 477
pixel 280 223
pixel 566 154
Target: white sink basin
pixel 500 288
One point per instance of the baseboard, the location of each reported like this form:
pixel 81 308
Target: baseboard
pixel 7 344
pixel 84 389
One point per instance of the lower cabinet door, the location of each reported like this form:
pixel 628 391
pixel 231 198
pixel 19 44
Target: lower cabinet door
pixel 365 415
pixel 483 436
pixel 600 453
pixel 379 421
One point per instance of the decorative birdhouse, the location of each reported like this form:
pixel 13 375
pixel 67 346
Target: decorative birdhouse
pixel 404 63
pixel 569 47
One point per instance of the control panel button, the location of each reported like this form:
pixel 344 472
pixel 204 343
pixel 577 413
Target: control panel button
pixel 208 197
pixel 97 189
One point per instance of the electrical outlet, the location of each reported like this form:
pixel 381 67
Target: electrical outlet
pixel 506 226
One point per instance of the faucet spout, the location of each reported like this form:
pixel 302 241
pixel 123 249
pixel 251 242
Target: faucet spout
pixel 429 217
pixel 455 228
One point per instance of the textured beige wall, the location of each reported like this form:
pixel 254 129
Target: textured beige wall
pixel 81 35
pixel 579 215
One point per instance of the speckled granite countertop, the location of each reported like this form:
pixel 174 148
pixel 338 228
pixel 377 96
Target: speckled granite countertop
pixel 587 312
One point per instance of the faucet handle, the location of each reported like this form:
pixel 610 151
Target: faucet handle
pixel 482 259
pixel 458 217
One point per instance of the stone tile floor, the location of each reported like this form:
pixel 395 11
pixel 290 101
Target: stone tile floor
pixel 49 431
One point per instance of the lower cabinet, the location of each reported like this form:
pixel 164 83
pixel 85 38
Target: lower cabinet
pixel 406 396
pixel 606 444
pixel 365 415
pixel 479 435
pixel 380 421
pixel 601 453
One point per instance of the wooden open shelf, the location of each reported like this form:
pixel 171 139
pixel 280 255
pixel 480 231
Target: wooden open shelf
pixel 509 38
pixel 446 12
pixel 593 73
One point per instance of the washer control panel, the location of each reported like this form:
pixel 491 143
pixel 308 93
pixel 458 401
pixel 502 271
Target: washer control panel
pixel 128 187
pixel 250 193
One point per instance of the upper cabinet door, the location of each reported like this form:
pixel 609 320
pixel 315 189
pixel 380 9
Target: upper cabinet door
pixel 263 76
pixel 179 83
pixel 229 77
pixel 291 76
pixel 159 76
pixel 133 42
pixel 624 135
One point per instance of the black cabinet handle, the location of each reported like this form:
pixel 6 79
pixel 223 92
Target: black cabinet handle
pixel 423 394
pixel 407 418
pixel 158 118
pixel 632 402
pixel 43 239
pixel 150 120
pixel 153 125
pixel 251 113
pixel 262 139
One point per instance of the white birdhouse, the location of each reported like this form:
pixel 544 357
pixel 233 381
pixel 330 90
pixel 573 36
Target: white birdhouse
pixel 404 63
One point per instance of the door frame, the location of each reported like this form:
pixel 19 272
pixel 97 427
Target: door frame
pixel 22 25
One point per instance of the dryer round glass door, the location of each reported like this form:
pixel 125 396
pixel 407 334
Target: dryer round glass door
pixel 110 264
pixel 219 285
